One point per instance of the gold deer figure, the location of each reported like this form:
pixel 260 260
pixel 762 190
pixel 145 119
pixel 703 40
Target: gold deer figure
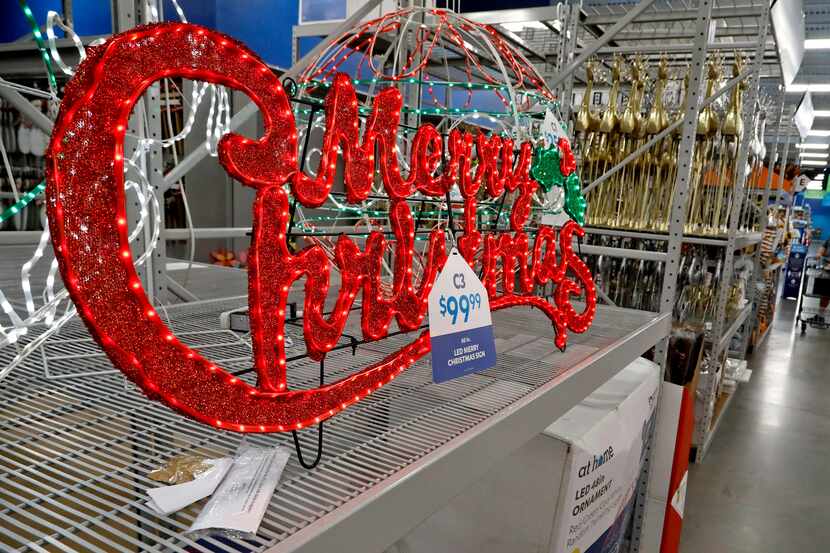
pixel 668 160
pixel 602 153
pixel 708 124
pixel 731 137
pixel 654 162
pixel 631 122
pixel 586 120
pixel 587 124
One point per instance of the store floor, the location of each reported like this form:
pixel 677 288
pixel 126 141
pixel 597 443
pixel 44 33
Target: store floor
pixel 764 485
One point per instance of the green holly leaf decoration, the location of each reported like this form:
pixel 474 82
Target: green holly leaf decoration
pixel 545 167
pixel 574 201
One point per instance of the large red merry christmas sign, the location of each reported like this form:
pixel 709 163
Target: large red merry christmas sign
pixel 88 224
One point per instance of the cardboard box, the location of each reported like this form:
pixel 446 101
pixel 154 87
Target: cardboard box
pixel 569 489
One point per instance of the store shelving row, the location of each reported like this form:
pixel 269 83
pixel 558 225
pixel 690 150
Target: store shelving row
pixel 742 240
pixel 739 239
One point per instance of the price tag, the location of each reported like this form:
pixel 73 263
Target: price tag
pixel 460 325
pixel 552 129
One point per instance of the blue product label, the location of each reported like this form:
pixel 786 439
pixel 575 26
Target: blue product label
pixel 463 352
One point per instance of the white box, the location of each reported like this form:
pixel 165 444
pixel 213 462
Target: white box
pixel 526 502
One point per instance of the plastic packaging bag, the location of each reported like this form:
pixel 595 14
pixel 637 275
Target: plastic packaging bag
pixel 236 508
pixel 169 499
pixel 180 469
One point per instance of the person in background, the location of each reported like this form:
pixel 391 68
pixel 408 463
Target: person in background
pixel 822 285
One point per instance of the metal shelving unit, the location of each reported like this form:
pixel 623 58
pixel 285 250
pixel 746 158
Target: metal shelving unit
pixel 75 450
pixel 667 27
pixel 651 27
pixel 706 428
pixel 75 453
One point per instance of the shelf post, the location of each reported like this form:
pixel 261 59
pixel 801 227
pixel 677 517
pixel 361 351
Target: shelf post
pixel 648 529
pixel 565 81
pixel 740 186
pixel 677 218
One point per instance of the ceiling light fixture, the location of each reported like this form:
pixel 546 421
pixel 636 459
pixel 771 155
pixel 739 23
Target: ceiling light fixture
pixel 819 155
pixel 818 132
pixel 817 44
pixel 821 112
pixel 518 26
pixel 804 87
pixel 814 162
pixel 813 146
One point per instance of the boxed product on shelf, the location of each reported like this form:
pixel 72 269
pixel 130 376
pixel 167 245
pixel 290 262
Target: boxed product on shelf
pixel 570 488
pixel 735 372
pixel 733 367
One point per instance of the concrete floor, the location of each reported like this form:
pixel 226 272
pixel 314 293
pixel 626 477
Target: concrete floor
pixel 764 485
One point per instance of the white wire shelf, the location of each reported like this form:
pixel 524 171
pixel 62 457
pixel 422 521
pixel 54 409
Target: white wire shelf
pixel 75 453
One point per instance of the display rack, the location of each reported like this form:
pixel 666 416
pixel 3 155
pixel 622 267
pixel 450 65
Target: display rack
pixel 76 449
pixel 75 453
pixel 652 27
pixel 666 28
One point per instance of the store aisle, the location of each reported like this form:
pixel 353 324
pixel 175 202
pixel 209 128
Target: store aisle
pixel 763 485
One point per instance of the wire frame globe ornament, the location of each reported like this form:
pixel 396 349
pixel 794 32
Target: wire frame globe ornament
pixel 452 73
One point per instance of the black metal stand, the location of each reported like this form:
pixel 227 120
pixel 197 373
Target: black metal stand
pixel 296 436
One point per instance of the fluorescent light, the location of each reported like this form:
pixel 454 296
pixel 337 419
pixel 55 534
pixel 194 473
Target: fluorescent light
pixel 814 162
pixel 821 113
pixel 813 146
pixel 818 132
pixel 517 27
pixel 817 44
pixel 815 185
pixel 805 87
pixel 818 155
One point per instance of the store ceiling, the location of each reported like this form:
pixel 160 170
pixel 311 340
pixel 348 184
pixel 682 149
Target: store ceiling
pixel 814 68
pixel 731 27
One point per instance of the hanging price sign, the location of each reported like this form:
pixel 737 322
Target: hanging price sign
pixel 460 325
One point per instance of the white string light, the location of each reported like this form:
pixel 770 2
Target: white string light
pixel 53 19
pixel 147 202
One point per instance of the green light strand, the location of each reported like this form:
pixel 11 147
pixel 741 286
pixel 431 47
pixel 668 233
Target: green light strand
pixel 24 200
pixel 41 45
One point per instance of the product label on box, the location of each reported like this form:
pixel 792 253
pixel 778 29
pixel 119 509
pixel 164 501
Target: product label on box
pixel 599 487
pixel 460 325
